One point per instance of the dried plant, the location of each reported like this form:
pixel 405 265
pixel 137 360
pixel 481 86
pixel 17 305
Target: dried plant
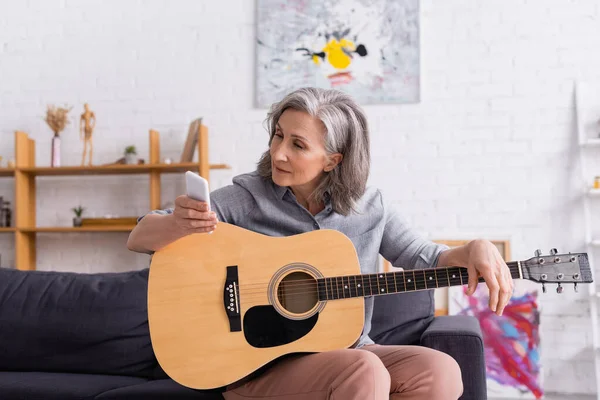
pixel 56 118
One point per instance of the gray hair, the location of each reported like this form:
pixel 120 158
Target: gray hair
pixel 347 133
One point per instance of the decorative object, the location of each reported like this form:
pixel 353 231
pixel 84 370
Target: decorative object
pixel 367 49
pixel 5 214
pixel 167 160
pixel 191 141
pixel 87 123
pixel 597 182
pixel 10 164
pixel 56 118
pixel 511 341
pixel 78 212
pixel 130 155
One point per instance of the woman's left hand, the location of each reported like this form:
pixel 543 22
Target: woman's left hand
pixel 485 260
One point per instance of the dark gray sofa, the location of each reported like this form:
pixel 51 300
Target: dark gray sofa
pixel 85 336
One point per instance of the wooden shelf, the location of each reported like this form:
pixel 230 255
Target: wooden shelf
pixel 117 169
pixel 7 172
pixel 25 177
pixel 67 229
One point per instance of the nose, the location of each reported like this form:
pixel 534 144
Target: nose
pixel 278 152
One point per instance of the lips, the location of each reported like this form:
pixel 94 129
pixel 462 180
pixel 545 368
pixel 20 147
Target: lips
pixel 281 170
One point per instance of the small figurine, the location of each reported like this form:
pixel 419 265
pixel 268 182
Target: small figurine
pixel 87 124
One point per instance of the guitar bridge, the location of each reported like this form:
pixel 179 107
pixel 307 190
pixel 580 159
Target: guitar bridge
pixel 231 299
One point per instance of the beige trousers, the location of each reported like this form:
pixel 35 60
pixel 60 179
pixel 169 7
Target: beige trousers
pixel 373 372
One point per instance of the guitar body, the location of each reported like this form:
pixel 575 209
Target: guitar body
pixel 222 305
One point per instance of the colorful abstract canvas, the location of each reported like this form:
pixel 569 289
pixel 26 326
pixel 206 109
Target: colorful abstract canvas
pixel 511 342
pixel 367 48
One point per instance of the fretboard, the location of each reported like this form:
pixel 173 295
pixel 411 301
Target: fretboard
pixel 344 287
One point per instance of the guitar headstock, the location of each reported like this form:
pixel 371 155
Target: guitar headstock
pixel 557 268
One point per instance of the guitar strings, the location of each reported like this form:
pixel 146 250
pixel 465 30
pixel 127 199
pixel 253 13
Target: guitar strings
pixel 407 273
pixel 309 288
pixel 367 288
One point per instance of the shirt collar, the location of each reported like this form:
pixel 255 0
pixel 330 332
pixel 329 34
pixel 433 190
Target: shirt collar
pixel 280 191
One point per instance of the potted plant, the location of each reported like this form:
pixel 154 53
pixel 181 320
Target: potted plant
pixel 130 155
pixel 78 211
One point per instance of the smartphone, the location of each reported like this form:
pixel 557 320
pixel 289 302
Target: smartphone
pixel 197 187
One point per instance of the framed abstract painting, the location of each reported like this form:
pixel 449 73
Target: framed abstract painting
pixel 369 49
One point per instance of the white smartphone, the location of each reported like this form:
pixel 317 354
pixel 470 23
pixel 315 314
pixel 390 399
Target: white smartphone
pixel 197 187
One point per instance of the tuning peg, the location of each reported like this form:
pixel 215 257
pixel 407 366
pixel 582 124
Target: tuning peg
pixel 576 290
pixel 538 253
pixel 543 287
pixel 559 289
pixel 553 252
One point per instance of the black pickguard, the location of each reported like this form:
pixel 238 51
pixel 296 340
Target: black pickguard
pixel 265 327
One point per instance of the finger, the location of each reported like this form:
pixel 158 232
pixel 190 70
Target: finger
pixel 504 295
pixel 205 229
pixel 494 288
pixel 189 213
pixel 199 223
pixel 188 202
pixel 473 280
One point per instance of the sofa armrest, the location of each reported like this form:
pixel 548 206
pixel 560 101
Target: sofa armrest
pixel 460 337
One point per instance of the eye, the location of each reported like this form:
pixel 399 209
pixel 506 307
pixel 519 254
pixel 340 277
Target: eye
pixel 279 135
pixel 298 146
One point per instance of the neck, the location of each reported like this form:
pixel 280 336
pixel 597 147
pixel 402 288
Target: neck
pixel 364 285
pixel 302 196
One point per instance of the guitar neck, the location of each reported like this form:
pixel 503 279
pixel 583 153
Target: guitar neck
pixel 364 285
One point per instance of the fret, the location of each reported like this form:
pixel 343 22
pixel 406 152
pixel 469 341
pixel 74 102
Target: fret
pixel 404 277
pixel 464 274
pixel 360 289
pixel 337 288
pixel 372 288
pixel 400 281
pixel 430 278
pixel 351 289
pixel 424 278
pixel 454 276
pixel 385 289
pixel 389 280
pixel 419 282
pixel 437 284
pixel 461 279
pixel 322 292
pixel 448 276
pixel 332 288
pixel 340 284
pixel 363 287
pixel 367 284
pixel 378 288
pixel 395 283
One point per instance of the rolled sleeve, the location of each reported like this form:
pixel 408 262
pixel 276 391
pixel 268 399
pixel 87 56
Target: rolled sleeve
pixel 402 246
pixel 166 211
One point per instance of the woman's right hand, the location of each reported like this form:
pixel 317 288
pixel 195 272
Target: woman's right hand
pixel 192 216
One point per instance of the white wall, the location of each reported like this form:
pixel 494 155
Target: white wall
pixel 488 152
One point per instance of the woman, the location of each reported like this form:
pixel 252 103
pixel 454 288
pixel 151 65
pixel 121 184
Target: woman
pixel 314 176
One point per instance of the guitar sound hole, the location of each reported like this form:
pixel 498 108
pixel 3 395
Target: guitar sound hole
pixel 297 292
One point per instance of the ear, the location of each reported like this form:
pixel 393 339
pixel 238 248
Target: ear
pixel 332 161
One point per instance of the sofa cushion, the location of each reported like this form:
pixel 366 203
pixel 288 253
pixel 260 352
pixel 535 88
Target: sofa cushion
pixel 159 389
pixel 401 318
pixel 70 322
pixel 55 386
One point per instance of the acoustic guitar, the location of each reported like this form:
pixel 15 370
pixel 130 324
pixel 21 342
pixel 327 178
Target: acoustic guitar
pixel 222 305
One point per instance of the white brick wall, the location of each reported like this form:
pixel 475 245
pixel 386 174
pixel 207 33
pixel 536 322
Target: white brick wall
pixel 485 153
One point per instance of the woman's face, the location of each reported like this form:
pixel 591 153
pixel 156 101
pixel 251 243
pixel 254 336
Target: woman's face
pixel 298 156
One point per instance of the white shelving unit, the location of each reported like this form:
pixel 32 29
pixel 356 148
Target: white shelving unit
pixel 589 147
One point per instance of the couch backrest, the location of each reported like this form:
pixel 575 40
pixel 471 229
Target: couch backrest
pixel 69 322
pixel 401 318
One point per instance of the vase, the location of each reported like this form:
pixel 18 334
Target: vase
pixel 55 151
pixel 131 158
